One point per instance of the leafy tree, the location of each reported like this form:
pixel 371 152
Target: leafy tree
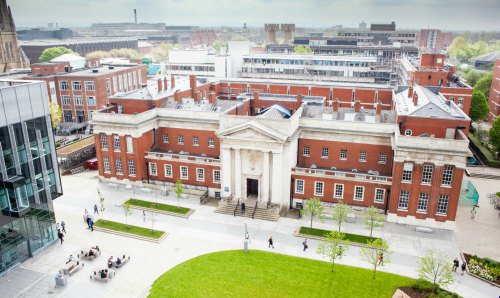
pixel 495 135
pixel 483 85
pixel 479 108
pixel 302 49
pixel 127 210
pixel 51 53
pixel 373 219
pixel 372 252
pixel 115 53
pixel 313 208
pixel 101 203
pixel 56 114
pixel 340 212
pixel 219 44
pixel 472 76
pixel 333 246
pixel 160 53
pixel 179 190
pixel 435 267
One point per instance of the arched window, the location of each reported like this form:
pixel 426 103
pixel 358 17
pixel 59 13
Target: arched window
pixel 408 132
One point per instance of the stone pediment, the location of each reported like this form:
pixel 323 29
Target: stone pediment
pixel 252 131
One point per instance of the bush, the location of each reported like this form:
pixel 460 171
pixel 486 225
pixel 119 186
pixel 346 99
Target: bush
pixel 428 289
pixel 484 267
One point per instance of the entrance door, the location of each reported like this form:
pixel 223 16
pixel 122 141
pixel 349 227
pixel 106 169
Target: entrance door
pixel 252 187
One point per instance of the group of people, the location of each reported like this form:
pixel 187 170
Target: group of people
pixel 103 273
pixel 112 261
pixel 456 264
pixel 93 252
pixel 89 219
pixel 61 228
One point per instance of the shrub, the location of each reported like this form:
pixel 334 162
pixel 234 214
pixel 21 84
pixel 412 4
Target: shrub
pixel 423 285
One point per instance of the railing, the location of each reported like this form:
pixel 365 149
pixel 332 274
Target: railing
pixel 204 198
pixel 255 209
pixel 236 208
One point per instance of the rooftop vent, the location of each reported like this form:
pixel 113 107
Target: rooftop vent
pixel 95 70
pixel 111 67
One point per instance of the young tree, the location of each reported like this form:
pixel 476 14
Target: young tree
pixel 483 84
pixel 127 210
pixel 51 53
pixel 333 246
pixel 313 208
pixel 56 114
pixel 479 108
pixel 435 267
pixel 340 212
pixel 373 251
pixel 373 219
pixel 179 190
pixel 101 203
pixel 495 135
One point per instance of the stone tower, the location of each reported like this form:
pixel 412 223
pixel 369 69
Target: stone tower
pixel 11 55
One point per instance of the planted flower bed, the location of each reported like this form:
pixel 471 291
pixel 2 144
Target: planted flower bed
pixel 484 268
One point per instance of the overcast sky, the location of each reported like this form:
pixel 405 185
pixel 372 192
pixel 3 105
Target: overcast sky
pixel 443 14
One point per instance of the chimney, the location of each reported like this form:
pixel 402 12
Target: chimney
pixel 379 108
pixel 165 83
pixel 410 92
pixel 177 96
pixel 172 81
pixel 159 85
pixel 299 98
pixel 192 82
pixel 212 97
pixel 357 106
pixel 256 96
pixel 415 98
pixel 335 105
pixel 135 15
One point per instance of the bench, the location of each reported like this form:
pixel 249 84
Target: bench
pixel 351 217
pixel 97 276
pixel 423 230
pixel 85 255
pixel 124 259
pixel 72 267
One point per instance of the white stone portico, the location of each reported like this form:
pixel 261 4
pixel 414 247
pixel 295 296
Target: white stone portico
pixel 256 156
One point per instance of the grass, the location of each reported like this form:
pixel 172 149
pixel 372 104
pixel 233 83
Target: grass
pixel 264 274
pixel 135 230
pixel 322 233
pixel 486 154
pixel 158 206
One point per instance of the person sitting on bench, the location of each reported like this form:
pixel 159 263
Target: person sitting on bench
pixel 96 248
pixel 118 261
pixel 91 253
pixel 70 259
pixel 104 273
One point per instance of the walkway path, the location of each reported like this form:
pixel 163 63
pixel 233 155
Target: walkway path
pixel 204 232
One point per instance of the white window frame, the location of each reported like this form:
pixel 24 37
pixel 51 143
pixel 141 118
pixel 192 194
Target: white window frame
pixel 427 173
pixel 116 143
pixel 211 142
pixel 362 156
pixel 356 197
pixel 65 100
pixel 107 165
pixel 130 144
pixel 306 151
pixel 108 87
pixel 297 186
pixel 168 171
pixel 343 154
pixel 407 174
pixel 153 169
pixel 165 138
pixel 403 200
pixel 200 178
pixel 382 158
pixel 63 85
pixel 184 177
pixel 316 188
pixel 338 188
pixel 324 152
pixel 443 202
pixel 119 166
pixel 423 200
pixel 196 141
pixel 77 85
pixel 120 83
pixel 180 139
pixel 447 178
pixel 216 174
pixel 104 142
pixel 91 101
pixel 115 84
pixel 78 100
pixel 379 195
pixel 131 167
pixel 89 85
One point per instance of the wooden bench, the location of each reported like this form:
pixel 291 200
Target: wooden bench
pixel 72 267
pixel 97 276
pixel 124 259
pixel 85 255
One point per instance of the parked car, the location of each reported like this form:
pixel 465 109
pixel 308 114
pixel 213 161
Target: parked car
pixel 91 164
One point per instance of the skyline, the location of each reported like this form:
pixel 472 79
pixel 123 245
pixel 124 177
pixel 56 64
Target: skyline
pixel 450 15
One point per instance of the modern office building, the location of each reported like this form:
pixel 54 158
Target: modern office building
pixel 200 62
pixel 381 34
pixel 494 99
pixel 433 39
pixel 29 172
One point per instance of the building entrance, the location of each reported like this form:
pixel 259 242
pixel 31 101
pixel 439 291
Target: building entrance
pixel 252 187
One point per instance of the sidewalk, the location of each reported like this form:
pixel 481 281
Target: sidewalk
pixel 204 232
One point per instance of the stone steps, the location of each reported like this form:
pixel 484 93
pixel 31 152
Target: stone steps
pixel 260 213
pixel 478 174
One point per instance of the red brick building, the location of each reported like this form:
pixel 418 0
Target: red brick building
pixel 494 99
pixel 433 39
pixel 280 143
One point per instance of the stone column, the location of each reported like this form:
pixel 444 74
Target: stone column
pixel 237 173
pixel 277 174
pixel 264 193
pixel 226 172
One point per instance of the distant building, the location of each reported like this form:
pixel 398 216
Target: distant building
pixel 381 34
pixel 33 34
pixel 362 25
pixel 383 27
pixel 75 61
pixel 11 55
pixel 433 39
pixel 127 29
pixel 494 99
pixel 486 61
pixel 82 46
pixel 198 62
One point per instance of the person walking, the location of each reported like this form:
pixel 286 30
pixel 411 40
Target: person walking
pixel 143 215
pixel 271 244
pixel 96 210
pixel 243 206
pixel 91 225
pixel 60 236
pixel 305 244
pixel 58 226
pixel 88 222
pixel 456 263
pixel 63 226
pixel 381 259
pixel 464 266
pixel 247 237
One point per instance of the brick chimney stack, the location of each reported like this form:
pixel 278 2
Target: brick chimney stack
pixel 299 98
pixel 256 96
pixel 160 88
pixel 165 83
pixel 357 106
pixel 336 105
pixel 379 108
pixel 192 86
pixel 172 81
pixel 177 96
pixel 415 98
pixel 410 91
pixel 212 97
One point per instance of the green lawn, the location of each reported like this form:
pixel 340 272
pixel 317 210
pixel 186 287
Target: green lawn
pixel 120 227
pixel 158 206
pixel 264 274
pixel 322 233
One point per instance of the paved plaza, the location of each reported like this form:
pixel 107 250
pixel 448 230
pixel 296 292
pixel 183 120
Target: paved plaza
pixel 205 232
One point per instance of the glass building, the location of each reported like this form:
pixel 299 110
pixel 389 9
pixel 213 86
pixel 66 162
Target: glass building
pixel 29 172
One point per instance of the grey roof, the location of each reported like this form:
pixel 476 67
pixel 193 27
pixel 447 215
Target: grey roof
pixel 490 57
pixel 103 70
